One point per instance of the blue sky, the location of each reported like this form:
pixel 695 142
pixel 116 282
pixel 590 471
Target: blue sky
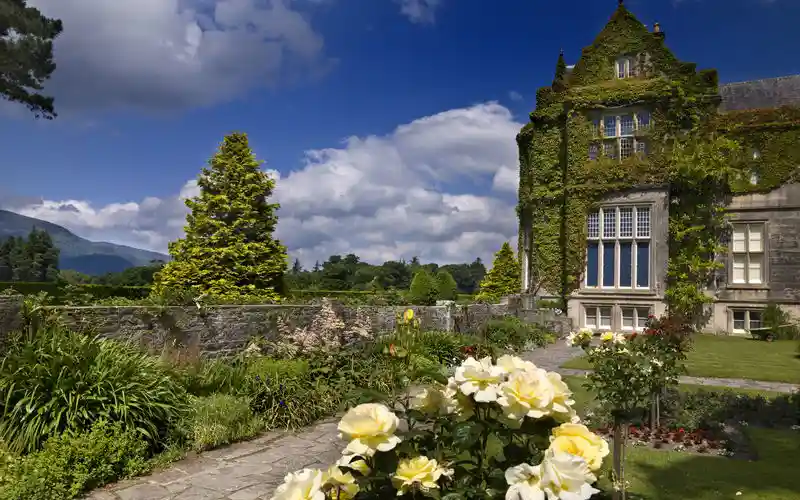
pixel 145 92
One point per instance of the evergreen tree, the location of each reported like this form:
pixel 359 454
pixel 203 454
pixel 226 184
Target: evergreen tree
pixel 6 268
pixel 560 79
pixel 296 267
pixel 446 286
pixel 20 260
pixel 229 249
pixel 26 59
pixel 422 291
pixel 504 277
pixel 43 257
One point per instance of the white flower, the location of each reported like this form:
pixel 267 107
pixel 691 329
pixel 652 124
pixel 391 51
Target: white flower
pixel 355 463
pixel 432 401
pixel 561 405
pixel 421 473
pixel 524 483
pixel 369 428
pixel 340 485
pixel 527 393
pixel 657 362
pixel 479 379
pixel 301 485
pixel 513 364
pixel 566 477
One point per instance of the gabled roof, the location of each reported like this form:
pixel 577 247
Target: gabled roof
pixel 759 94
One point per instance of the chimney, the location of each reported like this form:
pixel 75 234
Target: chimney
pixel 657 31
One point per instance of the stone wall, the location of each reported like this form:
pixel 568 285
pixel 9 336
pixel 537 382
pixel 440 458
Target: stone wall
pixel 219 330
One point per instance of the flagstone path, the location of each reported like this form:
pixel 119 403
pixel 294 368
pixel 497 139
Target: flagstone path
pixel 253 469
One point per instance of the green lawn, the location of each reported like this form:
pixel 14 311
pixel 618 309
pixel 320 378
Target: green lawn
pixel 735 357
pixel 666 475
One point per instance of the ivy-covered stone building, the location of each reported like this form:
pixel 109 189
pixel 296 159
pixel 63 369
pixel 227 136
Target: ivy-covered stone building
pixel 612 212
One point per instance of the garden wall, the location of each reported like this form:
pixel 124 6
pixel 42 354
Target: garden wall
pixel 216 330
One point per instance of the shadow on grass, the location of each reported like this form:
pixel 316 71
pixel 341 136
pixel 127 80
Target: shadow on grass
pixel 656 475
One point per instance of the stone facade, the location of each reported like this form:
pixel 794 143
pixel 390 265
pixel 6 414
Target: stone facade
pixel 220 330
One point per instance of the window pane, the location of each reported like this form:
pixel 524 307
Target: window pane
pixel 605 317
pixel 625 147
pixel 625 263
pixel 738 320
pixel 592 270
pixel 626 125
pixel 610 149
pixel 643 264
pixel 621 68
pixel 755 244
pixel 641 147
pixel 594 151
pixel 590 317
pixel 625 222
pixel 754 274
pixel 593 225
pixel 608 264
pixel 755 320
pixel 641 317
pixel 739 264
pixel 739 238
pixel 632 69
pixel 610 223
pixel 643 119
pixel 642 222
pixel 610 126
pixel 627 319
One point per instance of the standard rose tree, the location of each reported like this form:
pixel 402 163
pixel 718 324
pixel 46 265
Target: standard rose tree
pixel 503 429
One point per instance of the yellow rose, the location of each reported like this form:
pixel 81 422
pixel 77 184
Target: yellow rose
pixel 355 463
pixel 607 336
pixel 513 364
pixel 408 315
pixel 564 473
pixel 526 394
pixel 432 401
pixel 339 485
pixel 479 379
pixel 420 473
pixel 369 428
pixel 301 485
pixel 524 482
pixel 578 440
pixel 561 406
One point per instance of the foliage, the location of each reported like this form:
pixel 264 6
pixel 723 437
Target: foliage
pixel 34 259
pixel 778 325
pixel 73 380
pixel 222 419
pixel 504 277
pixel 446 286
pixel 475 438
pixel 512 333
pixel 75 462
pixel 28 57
pixel 229 249
pixel 207 377
pixel 422 291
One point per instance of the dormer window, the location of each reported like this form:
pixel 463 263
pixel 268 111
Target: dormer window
pixel 626 67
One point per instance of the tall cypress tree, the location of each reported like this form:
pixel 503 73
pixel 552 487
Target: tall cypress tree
pixel 504 278
pixel 229 249
pixel 42 255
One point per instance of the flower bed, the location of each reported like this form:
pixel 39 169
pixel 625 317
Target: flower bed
pixel 695 441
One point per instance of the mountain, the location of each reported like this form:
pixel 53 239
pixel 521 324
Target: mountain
pixel 79 254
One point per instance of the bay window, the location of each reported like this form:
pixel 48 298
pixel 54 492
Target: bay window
pixel 618 250
pixel 748 253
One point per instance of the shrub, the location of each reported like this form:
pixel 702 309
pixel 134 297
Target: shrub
pixel 222 419
pixel 504 278
pixel 73 380
pixel 778 325
pixel 422 291
pixel 511 332
pixel 446 286
pixel 442 347
pixel 75 462
pixel 228 376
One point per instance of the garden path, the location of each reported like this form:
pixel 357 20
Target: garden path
pixel 252 470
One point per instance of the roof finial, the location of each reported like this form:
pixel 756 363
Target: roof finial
pixel 657 27
pixel 621 2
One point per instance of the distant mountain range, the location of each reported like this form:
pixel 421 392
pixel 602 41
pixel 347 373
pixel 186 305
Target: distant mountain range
pixel 79 254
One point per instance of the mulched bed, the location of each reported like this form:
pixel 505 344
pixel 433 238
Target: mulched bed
pixel 694 441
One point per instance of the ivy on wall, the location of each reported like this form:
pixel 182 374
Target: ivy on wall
pixel 692 150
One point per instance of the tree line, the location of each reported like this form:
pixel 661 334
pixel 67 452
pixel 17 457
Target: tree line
pixel 31 259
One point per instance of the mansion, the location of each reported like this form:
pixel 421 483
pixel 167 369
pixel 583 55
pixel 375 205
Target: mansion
pixel 617 275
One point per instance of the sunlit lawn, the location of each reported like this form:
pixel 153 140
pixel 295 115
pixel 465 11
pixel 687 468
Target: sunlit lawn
pixel 735 357
pixel 666 475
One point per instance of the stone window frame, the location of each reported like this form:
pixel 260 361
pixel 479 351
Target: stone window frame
pixel 626 67
pixel 765 250
pixel 636 308
pixel 595 308
pixel 634 238
pixel 747 311
pixel 612 145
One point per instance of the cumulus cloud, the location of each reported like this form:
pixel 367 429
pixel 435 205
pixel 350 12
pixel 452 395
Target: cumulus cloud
pixel 420 11
pixel 411 192
pixel 176 54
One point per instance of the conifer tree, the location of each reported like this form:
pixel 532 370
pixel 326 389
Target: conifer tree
pixel 446 286
pixel 503 279
pixel 229 249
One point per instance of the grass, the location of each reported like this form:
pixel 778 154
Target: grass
pixel 734 357
pixel 667 475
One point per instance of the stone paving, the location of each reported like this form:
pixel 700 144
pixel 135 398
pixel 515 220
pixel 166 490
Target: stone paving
pixel 252 470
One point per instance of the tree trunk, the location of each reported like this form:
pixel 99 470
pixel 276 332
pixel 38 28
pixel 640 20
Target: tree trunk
pixel 620 435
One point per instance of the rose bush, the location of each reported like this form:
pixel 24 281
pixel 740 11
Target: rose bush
pixel 496 429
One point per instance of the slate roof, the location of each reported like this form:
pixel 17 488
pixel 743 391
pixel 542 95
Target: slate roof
pixel 758 94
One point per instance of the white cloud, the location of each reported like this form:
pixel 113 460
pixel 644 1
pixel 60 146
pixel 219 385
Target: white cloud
pixel 420 11
pixel 514 95
pixel 175 54
pixel 442 187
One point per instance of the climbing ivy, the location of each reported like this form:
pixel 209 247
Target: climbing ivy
pixel 701 157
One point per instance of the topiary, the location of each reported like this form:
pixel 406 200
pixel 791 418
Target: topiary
pixel 446 286
pixel 422 291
